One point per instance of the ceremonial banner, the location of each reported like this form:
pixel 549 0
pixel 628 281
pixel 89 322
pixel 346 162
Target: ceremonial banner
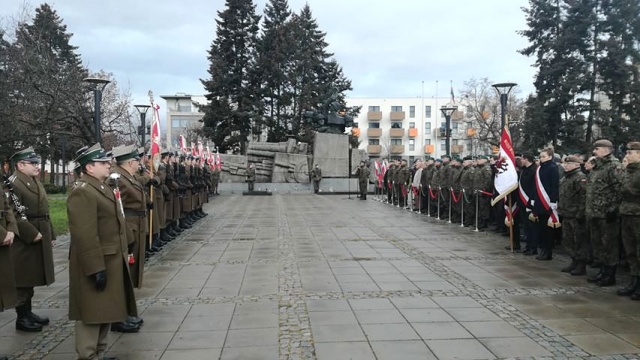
pixel 506 178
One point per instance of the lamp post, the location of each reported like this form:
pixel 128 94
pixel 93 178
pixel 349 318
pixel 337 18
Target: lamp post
pixel 447 111
pixel 142 109
pixel 97 85
pixel 503 90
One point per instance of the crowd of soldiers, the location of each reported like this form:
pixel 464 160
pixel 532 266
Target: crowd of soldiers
pixel 589 204
pixel 122 208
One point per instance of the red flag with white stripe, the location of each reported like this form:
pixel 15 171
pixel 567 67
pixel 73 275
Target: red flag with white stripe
pixel 506 178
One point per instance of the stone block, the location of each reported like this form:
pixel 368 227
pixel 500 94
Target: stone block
pixel 290 168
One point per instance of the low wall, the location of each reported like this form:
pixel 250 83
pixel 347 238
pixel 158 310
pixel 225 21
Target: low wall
pixel 326 185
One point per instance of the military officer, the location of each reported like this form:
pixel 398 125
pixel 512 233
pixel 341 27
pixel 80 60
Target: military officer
pixel 403 179
pixel 316 177
pixel 455 174
pixel 482 185
pixel 573 188
pixel 435 187
pixel 251 177
pixel 388 182
pixel 172 206
pixel 630 219
pixel 32 252
pixel 363 173
pixel 100 288
pixel 466 184
pixel 8 230
pixel 215 180
pixel 603 200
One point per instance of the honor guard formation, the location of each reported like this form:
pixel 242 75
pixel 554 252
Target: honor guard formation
pixel 122 209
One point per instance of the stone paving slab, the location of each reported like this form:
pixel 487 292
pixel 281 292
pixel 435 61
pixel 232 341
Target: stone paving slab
pixel 325 277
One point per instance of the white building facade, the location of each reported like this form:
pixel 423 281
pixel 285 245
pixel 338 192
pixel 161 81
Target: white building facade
pixel 182 115
pixel 410 128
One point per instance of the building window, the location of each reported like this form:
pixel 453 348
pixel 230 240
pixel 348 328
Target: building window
pixel 443 145
pixel 374 141
pixel 374 108
pixel 454 125
pixel 412 125
pixel 427 141
pixel 412 159
pixel 427 127
pixel 396 108
pixel 178 122
pixel 412 111
pixel 374 125
pixel 427 112
pixel 396 141
pixel 396 125
pixel 412 145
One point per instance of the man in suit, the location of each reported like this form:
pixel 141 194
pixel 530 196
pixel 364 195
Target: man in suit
pixel 98 252
pixel 32 252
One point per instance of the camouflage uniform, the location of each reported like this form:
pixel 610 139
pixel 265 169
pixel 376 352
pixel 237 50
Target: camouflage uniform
pixel 482 179
pixel 630 213
pixel 571 205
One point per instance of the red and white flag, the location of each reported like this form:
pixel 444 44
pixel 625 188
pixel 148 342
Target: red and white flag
pixel 200 150
pixel 155 134
pixel 218 162
pixel 506 179
pixel 183 144
pixel 194 151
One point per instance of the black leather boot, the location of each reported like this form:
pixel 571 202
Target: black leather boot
pixel 580 269
pixel 570 267
pixel 135 320
pixel 597 277
pixel 124 327
pixel 184 225
pixel 164 237
pixel 636 293
pixel 24 322
pixel 609 277
pixel 35 318
pixel 630 288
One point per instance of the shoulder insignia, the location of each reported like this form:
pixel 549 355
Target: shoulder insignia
pixel 12 178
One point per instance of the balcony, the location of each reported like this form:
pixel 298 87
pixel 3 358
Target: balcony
pixel 374 149
pixel 396 149
pixel 395 132
pixel 413 132
pixel 374 132
pixel 429 149
pixel 457 149
pixel 374 115
pixel 396 115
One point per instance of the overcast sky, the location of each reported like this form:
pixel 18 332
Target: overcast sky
pixel 387 48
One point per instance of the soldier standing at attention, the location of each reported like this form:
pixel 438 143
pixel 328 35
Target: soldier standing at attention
pixel 32 252
pixel 316 176
pixel 8 230
pixel 215 180
pixel 100 288
pixel 573 188
pixel 603 199
pixel 251 176
pixel 363 172
pixel 545 203
pixel 482 184
pixel 388 182
pixel 466 184
pixel 630 218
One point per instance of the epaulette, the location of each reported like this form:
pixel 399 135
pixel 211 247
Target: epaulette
pixel 12 178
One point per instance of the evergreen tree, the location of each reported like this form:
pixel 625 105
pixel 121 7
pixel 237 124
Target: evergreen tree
pixel 274 52
pixel 233 88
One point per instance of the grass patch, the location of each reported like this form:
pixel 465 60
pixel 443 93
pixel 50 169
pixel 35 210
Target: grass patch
pixel 58 213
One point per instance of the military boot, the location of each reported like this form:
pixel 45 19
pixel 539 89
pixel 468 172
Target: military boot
pixel 35 318
pixel 630 288
pixel 609 276
pixel 580 269
pixel 183 224
pixel 597 277
pixel 24 322
pixel 571 266
pixel 636 293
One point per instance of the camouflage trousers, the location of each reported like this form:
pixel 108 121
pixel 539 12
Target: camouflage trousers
pixel 575 239
pixel 630 227
pixel 604 241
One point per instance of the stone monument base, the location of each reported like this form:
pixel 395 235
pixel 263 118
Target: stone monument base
pixel 259 193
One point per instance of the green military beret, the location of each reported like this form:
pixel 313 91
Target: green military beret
pixel 93 154
pixel 27 154
pixel 127 152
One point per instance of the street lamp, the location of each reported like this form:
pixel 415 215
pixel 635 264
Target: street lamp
pixel 503 89
pixel 447 111
pixel 142 130
pixel 97 85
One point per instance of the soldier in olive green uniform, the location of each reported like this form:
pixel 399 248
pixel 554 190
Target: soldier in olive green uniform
pixel 425 181
pixel 100 288
pixel 363 173
pixel 482 185
pixel 603 200
pixel 435 187
pixel 445 184
pixel 32 252
pixel 466 184
pixel 403 177
pixel 215 180
pixel 251 177
pixel 316 177
pixel 172 207
pixel 8 230
pixel 630 218
pixel 455 174
pixel 388 182
pixel 573 187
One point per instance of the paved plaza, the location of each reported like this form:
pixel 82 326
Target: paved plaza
pixel 331 278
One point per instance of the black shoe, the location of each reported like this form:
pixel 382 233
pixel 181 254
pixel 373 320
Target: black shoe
pixel 135 320
pixel 515 248
pixel 110 358
pixel 164 237
pixel 630 288
pixel 569 268
pixel 597 277
pixel 581 269
pixel 544 255
pixel 171 233
pixel 25 324
pixel 530 252
pixel 636 294
pixel 609 276
pixel 184 225
pixel 124 327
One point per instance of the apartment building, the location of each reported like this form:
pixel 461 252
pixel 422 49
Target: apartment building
pixel 182 115
pixel 410 128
